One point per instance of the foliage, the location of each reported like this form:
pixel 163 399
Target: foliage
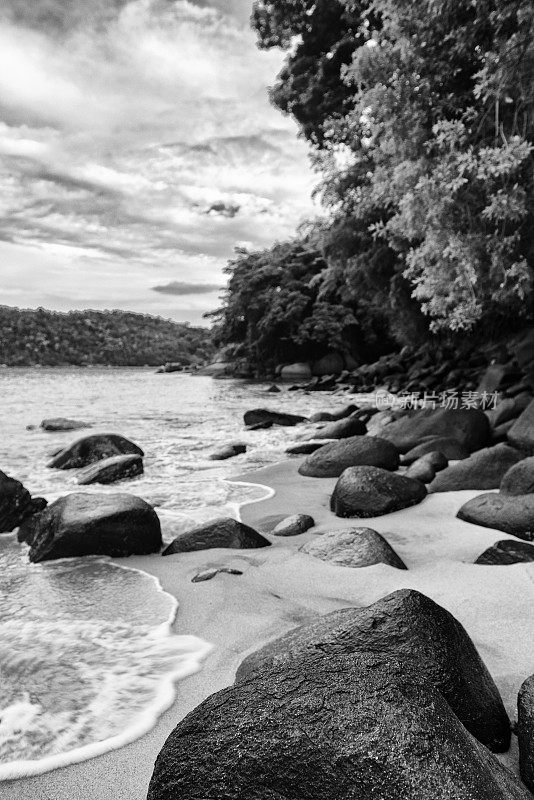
pixel 118 338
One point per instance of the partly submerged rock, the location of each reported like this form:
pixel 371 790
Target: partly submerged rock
pixel 110 470
pixel 305 448
pixel 358 547
pixel 505 552
pixel 525 732
pixel 468 426
pixel 63 424
pixel 451 449
pixel 509 513
pixel 92 524
pixel 294 525
pixel 333 458
pixel 259 416
pixel 520 478
pixel 334 416
pixel 342 429
pixel 370 492
pixel 482 470
pixel 228 451
pixel 15 503
pixel 93 448
pixel 223 532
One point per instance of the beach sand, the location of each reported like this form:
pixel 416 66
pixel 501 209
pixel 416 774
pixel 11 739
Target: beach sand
pixel 282 587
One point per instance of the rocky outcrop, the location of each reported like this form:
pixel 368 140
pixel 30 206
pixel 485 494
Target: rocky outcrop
pixel 92 524
pixel 342 429
pixel 359 547
pixel 333 458
pixel 525 731
pixel 520 478
pixel 451 449
pixel 482 470
pixel 521 434
pixel 371 492
pixel 93 448
pixel 228 451
pixel 294 525
pixel 470 427
pixel 512 514
pixel 63 424
pixel 259 416
pixel 110 470
pixel 223 532
pixel 505 552
pixel 15 503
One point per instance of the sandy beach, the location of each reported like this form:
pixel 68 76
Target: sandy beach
pixel 281 588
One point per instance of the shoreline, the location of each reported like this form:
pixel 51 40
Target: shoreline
pixel 282 588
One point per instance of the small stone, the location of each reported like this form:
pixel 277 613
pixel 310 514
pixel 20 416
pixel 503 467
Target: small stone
pixel 294 525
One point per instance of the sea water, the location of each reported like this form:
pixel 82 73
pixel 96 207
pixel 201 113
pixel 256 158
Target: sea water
pixel 90 649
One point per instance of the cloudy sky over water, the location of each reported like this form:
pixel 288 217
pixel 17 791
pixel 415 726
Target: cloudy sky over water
pixel 137 148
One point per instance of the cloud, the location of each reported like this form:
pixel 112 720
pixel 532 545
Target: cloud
pixel 182 288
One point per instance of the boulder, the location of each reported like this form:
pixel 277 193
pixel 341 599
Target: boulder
pixel 109 470
pixel 505 410
pixel 296 372
pixel 469 426
pixel 507 551
pixel 519 479
pixel 350 426
pixel 223 532
pixel 331 364
pixel 492 378
pixel 525 731
pixel 261 416
pixel 93 448
pixel 333 416
pixel 451 449
pixel 412 629
pixel 521 434
pixel 330 461
pixel 304 449
pixel 15 503
pixel 274 389
pixel 512 514
pixel 371 492
pixel 260 426
pixel 359 547
pixel 63 424
pixel 422 470
pixel 228 451
pixel 220 369
pixel 294 525
pixel 482 470
pixel 92 524
pixel 500 433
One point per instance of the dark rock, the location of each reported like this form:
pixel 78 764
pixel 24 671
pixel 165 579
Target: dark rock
pixel 304 449
pixel 274 389
pixel 469 426
pixel 525 731
pixel 411 628
pixel 109 470
pixel 331 364
pixel 371 492
pixel 334 416
pixel 482 470
pixel 507 551
pixel 521 434
pixel 451 449
pixel 512 514
pixel 492 378
pixel 500 433
pixel 505 410
pixel 208 574
pixel 423 469
pixel 15 503
pixel 351 426
pixel 63 424
pixel 93 448
pixel 261 415
pixel 520 478
pixel 92 524
pixel 223 532
pixel 333 458
pixel 228 451
pixel 359 547
pixel 296 372
pixel 294 525
pixel 260 426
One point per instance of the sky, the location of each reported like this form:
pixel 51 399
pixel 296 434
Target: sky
pixel 138 147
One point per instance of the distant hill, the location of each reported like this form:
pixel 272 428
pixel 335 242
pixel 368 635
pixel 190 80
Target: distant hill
pixel 121 338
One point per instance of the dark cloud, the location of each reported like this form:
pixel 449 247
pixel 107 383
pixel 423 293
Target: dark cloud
pixel 223 209
pixel 184 288
pixel 60 16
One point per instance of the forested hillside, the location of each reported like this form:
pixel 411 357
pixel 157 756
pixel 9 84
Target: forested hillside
pixel 119 338
pixel 420 121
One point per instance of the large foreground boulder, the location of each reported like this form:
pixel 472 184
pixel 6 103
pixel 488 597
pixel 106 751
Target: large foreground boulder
pixel 520 478
pixel 521 434
pixel 260 416
pixel 525 731
pixel 15 503
pixel 55 424
pixel 110 470
pixel 93 448
pixel 330 461
pixel 505 552
pixel 359 547
pixel 223 532
pixel 92 524
pixel 468 426
pixel 482 470
pixel 509 513
pixel 370 492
